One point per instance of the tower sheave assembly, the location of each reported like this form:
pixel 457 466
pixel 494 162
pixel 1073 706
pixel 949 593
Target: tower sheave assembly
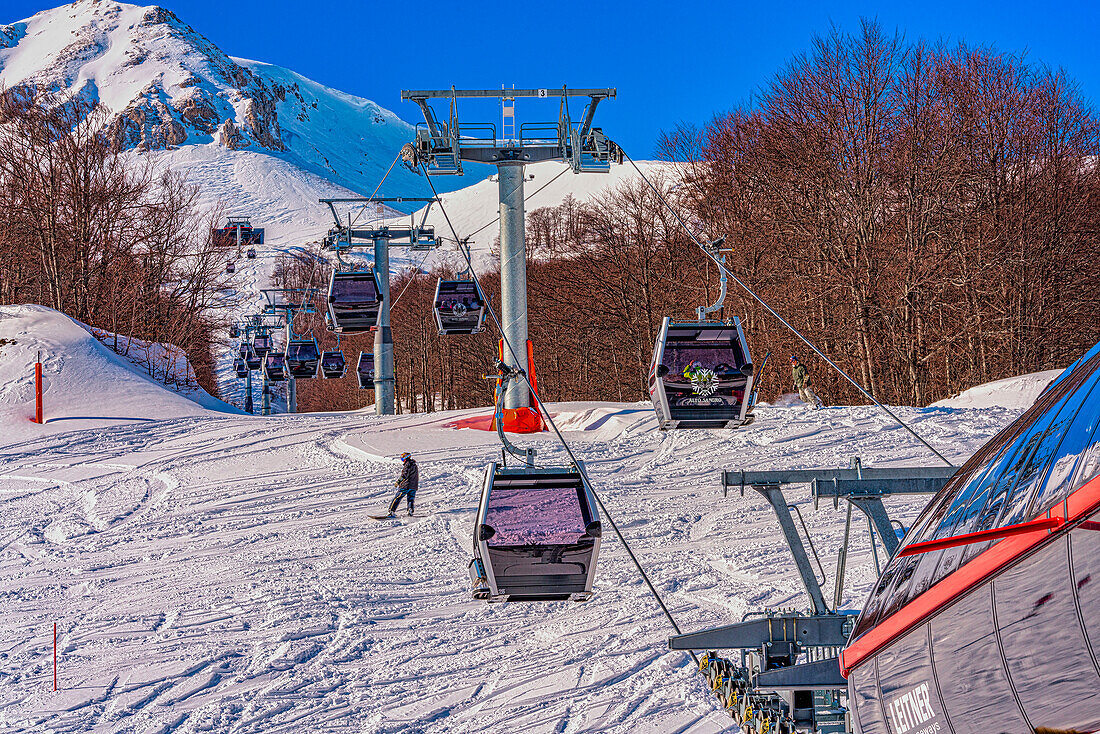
pixel 440 149
pixel 359 298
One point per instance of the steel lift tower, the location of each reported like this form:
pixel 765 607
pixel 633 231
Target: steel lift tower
pixel 380 237
pixel 278 307
pixel 442 146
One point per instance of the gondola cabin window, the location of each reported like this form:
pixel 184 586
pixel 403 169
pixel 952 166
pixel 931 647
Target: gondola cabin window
pixel 535 516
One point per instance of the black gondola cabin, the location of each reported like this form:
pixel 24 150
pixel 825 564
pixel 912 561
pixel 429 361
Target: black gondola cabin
pixel 302 357
pixel 459 307
pixel 275 366
pixel 354 301
pixel 536 536
pixel 261 344
pixel 701 375
pixel 364 370
pixel 333 365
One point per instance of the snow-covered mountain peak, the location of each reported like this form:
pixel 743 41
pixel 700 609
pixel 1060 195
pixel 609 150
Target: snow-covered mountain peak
pixel 165 85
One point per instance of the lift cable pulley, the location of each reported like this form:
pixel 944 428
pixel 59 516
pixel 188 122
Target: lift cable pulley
pixel 726 273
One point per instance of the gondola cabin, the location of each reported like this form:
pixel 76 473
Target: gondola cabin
pixel 251 253
pixel 364 370
pixel 354 301
pixel 333 365
pixel 238 229
pixel 252 360
pixel 275 366
pixel 988 617
pixel 302 358
pixel 536 536
pixel 701 375
pixel 240 368
pixel 459 307
pixel 230 267
pixel 261 344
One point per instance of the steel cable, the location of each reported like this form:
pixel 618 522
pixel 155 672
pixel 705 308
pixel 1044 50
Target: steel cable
pixel 782 320
pixel 553 425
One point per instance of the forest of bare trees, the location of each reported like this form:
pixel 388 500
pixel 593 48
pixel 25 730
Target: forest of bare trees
pixel 928 216
pixel 103 236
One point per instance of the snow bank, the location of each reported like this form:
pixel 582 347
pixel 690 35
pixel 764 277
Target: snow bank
pixel 1013 392
pixel 86 384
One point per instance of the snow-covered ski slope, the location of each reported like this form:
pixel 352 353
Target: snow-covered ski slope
pixel 87 385
pixel 218 572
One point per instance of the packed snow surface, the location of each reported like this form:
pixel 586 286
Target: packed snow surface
pixel 218 572
pixel 1013 392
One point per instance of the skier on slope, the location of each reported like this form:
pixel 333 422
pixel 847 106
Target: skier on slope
pixel 406 483
pixel 801 378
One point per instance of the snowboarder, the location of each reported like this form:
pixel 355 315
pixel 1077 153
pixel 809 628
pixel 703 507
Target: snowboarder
pixel 801 378
pixel 406 483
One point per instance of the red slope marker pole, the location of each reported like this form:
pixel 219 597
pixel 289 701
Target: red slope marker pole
pixel 38 390
pixel 55 656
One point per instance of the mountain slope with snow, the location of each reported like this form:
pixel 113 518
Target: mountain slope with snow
pixel 164 85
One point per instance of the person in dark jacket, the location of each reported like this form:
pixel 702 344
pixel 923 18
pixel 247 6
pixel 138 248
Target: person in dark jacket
pixel 406 483
pixel 801 377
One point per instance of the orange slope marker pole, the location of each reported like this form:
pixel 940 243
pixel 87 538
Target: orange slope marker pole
pixel 534 384
pixel 38 390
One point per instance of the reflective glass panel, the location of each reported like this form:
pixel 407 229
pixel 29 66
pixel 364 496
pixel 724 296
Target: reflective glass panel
pixel 1077 455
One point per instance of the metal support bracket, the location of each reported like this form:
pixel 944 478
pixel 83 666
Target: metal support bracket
pixel 819 630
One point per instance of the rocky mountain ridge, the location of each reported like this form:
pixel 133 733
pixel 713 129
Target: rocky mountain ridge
pixel 165 85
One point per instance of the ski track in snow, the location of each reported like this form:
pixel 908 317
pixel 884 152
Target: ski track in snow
pixel 222 574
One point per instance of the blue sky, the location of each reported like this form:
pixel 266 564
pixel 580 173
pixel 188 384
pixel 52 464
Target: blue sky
pixel 670 61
